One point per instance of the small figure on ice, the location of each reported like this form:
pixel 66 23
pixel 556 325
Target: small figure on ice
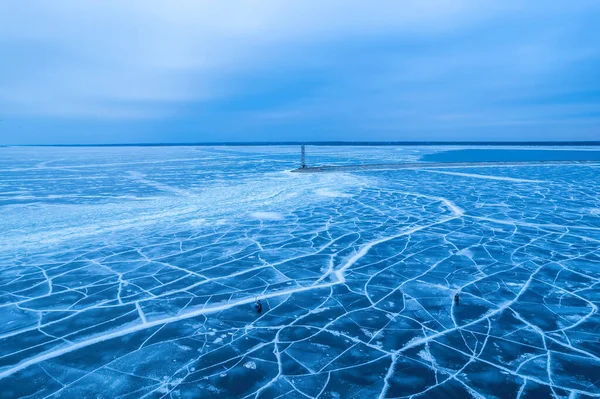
pixel 456 298
pixel 258 306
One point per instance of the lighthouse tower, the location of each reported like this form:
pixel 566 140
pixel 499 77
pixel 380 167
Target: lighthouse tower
pixel 302 157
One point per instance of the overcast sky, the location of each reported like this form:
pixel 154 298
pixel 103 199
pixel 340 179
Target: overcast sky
pixel 118 71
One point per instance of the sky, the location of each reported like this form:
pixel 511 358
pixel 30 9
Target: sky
pixel 145 71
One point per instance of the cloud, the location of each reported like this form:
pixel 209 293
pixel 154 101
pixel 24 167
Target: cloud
pixel 77 56
pixel 231 65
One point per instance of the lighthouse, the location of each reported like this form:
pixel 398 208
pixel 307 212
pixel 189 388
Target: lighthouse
pixel 302 157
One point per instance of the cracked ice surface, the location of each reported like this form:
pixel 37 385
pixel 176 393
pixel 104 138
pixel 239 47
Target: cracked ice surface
pixel 132 272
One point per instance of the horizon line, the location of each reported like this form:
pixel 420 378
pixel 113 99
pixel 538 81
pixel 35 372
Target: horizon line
pixel 321 143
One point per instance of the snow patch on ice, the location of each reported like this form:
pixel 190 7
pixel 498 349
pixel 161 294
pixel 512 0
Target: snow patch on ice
pixel 368 333
pixel 425 355
pixel 466 252
pixel 197 222
pixel 163 389
pixel 267 215
pixel 250 365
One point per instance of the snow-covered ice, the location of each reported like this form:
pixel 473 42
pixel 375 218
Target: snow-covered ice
pixel 132 273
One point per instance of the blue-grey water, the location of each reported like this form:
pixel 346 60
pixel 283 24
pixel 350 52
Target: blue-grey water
pixel 132 272
pixel 513 155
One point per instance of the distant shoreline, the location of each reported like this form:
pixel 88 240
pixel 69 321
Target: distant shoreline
pixel 328 143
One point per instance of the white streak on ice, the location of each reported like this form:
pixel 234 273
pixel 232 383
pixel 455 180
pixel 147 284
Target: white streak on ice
pixel 487 177
pixel 267 215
